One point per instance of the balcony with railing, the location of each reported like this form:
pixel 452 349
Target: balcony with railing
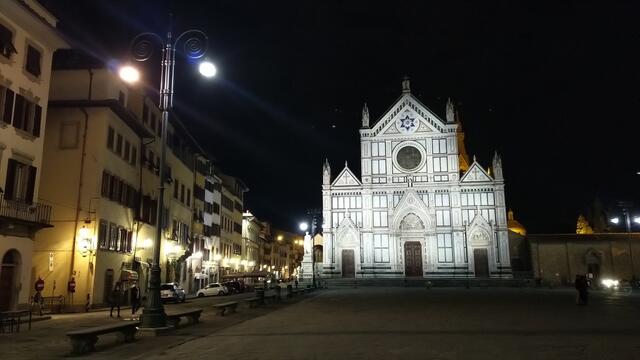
pixel 34 213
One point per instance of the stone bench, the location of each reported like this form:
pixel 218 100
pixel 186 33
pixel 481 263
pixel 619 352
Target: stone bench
pixel 225 308
pixel 253 302
pixel 84 340
pixel 193 316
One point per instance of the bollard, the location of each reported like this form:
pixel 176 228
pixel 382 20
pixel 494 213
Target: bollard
pixel 278 291
pixel 260 294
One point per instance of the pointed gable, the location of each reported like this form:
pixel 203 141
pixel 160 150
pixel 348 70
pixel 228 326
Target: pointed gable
pixel 475 174
pixel 346 178
pixel 410 108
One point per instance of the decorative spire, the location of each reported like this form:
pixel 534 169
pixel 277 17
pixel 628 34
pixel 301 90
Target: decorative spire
pixel 326 172
pixel 346 164
pixel 406 86
pixel 474 158
pixel 497 166
pixel 365 116
pixel 451 111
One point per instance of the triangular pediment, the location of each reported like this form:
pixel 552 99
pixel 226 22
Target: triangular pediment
pixel 346 178
pixel 411 203
pixel 408 116
pixel 475 174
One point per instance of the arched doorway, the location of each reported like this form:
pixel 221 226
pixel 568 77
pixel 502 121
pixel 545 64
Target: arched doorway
pixel 9 275
pixel 412 230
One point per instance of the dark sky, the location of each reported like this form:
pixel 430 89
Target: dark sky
pixel 554 87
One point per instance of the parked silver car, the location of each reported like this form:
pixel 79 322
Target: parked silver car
pixel 172 292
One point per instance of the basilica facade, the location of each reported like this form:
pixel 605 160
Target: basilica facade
pixel 420 208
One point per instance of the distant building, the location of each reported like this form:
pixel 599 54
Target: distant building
pixel 28 39
pixel 420 208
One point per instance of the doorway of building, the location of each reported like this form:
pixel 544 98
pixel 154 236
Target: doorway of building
pixel 481 263
pixel 9 275
pixel 348 265
pixel 412 258
pixel 108 285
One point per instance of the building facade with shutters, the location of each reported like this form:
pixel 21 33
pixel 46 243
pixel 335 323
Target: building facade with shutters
pixel 420 208
pixel 28 39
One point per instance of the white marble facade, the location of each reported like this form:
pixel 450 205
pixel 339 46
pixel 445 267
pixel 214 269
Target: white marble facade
pixel 413 212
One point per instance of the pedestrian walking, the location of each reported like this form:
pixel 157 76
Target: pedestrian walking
pixel 135 299
pixel 115 298
pixel 581 289
pixel 38 301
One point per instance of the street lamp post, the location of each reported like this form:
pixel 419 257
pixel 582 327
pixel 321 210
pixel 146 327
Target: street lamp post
pixel 195 44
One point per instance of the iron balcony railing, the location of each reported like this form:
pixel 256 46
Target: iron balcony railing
pixel 32 212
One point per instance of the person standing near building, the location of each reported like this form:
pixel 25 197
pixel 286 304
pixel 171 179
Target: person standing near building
pixel 115 298
pixel 37 301
pixel 135 299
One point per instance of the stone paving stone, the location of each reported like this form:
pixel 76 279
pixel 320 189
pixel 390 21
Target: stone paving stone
pixel 389 323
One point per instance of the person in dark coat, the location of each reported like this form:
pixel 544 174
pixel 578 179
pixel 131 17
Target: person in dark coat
pixel 116 298
pixel 135 299
pixel 582 289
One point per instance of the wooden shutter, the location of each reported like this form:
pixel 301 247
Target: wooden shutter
pixel 37 119
pixel 8 106
pixel 31 185
pixel 18 114
pixel 11 175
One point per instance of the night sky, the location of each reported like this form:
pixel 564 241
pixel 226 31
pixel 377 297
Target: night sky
pixel 554 87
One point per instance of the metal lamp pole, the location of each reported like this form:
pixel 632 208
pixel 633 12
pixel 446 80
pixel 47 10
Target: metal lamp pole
pixel 195 44
pixel 627 221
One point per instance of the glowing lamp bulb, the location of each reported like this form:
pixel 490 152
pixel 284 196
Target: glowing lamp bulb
pixel 129 74
pixel 615 220
pixel 207 69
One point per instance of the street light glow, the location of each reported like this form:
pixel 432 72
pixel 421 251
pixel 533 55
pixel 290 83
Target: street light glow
pixel 129 74
pixel 615 220
pixel 207 69
pixel 304 226
pixel 636 219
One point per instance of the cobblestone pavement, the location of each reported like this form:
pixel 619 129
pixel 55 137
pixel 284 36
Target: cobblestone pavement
pixel 377 323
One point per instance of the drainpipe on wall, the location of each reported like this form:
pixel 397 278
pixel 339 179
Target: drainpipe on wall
pixel 80 182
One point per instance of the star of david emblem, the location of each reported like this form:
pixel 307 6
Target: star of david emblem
pixel 408 123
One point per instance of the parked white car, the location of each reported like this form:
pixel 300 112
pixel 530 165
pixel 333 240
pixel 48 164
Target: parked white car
pixel 213 289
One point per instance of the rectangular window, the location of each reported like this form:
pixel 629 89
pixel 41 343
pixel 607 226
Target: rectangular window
pixel 118 149
pixel 188 197
pixel 27 115
pixel 381 248
pixel 227 203
pixel 6 103
pixel 440 164
pixel 445 248
pixel 442 199
pixel 237 228
pixel 379 201
pixel 378 149
pixel 443 218
pixel 439 146
pixel 6 42
pixel 379 218
pixel 103 234
pixel 378 167
pixel 20 181
pixel 106 184
pixel 33 61
pixel 182 193
pixel 127 150
pixel 216 208
pixel 134 156
pixel 113 236
pixel 176 187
